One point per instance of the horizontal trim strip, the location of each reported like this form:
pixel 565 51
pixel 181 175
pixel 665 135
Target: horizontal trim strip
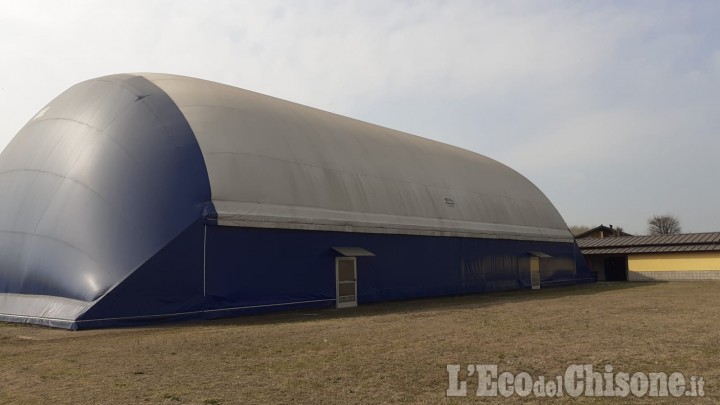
pixel 256 215
pixel 203 311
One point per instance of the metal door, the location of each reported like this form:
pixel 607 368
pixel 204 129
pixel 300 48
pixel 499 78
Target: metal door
pixel 346 276
pixel 535 272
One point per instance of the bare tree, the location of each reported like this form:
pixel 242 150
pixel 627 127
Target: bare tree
pixel 663 225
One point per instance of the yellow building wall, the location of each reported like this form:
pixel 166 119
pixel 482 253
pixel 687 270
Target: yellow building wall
pixel 687 261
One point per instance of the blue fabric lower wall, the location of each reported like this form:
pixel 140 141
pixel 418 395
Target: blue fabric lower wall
pixel 258 267
pixel 250 270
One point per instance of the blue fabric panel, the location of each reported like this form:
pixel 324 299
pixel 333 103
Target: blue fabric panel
pixel 249 268
pixel 250 271
pixel 252 267
pixel 406 266
pixel 170 285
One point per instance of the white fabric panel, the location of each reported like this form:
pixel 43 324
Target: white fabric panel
pixel 273 163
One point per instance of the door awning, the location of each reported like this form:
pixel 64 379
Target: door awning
pixel 540 254
pixel 353 251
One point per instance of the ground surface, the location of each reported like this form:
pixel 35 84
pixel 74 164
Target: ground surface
pixel 389 353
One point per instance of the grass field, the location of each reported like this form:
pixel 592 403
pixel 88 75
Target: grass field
pixel 388 353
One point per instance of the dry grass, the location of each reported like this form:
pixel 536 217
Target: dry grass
pixel 389 353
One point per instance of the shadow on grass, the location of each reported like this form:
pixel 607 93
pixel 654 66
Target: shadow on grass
pixel 431 304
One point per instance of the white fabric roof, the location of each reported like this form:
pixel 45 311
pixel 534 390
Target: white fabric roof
pixel 277 164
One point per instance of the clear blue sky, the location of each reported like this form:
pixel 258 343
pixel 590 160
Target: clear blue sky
pixel 611 107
